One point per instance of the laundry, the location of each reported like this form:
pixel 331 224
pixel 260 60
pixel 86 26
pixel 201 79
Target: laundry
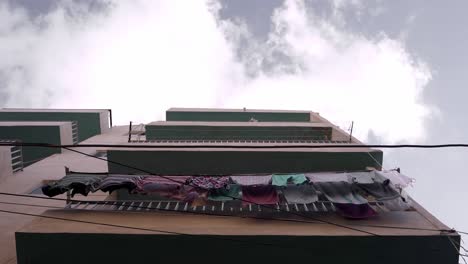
pixel 228 193
pixel 365 177
pixel 114 182
pixel 301 194
pixel 380 190
pixel 355 211
pixel 327 177
pixel 260 194
pixel 340 192
pixel 396 178
pixel 76 183
pixel 285 179
pixel 209 182
pixel 249 180
pixel 165 185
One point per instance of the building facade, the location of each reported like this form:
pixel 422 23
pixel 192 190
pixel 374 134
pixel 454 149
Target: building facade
pixel 211 185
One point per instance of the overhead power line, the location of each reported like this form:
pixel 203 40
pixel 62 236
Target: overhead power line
pixel 257 146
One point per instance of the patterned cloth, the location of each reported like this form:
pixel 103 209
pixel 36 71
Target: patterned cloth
pixel 208 182
pixel 249 180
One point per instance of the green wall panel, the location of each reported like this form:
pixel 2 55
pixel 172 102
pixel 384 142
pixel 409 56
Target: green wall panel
pixel 73 248
pixel 231 162
pixel 88 123
pixel 33 134
pixel 237 116
pixel 166 132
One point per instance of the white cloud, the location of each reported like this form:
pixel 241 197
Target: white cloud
pixel 141 57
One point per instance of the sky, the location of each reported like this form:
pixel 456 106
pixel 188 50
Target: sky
pixel 396 68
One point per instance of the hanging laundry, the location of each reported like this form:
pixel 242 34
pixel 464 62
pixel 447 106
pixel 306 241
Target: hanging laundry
pixel 165 186
pixel 259 194
pixel 228 193
pixel 365 177
pixel 380 190
pixel 114 182
pixel 327 177
pixel 340 192
pixel 76 182
pixel 195 197
pixel 301 194
pixel 284 179
pixel 355 211
pixel 248 180
pixel 209 182
pixel 396 178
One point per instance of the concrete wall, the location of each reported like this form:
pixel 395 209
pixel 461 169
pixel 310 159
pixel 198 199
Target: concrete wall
pixel 219 132
pixel 157 248
pixel 236 116
pixel 89 123
pixel 206 161
pixel 5 163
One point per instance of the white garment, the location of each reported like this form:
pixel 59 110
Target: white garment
pixel 252 179
pixel 397 179
pixel 327 177
pixel 364 177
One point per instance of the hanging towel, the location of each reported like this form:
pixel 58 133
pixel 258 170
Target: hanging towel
pixel 355 211
pixel 228 193
pixel 340 192
pixel 260 194
pixel 327 177
pixel 301 194
pixel 248 180
pixel 284 179
pixel 209 182
pixel 76 182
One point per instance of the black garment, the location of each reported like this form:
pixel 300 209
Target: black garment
pixel 76 182
pixel 114 182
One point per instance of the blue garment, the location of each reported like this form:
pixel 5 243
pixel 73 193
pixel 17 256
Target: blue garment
pixel 284 179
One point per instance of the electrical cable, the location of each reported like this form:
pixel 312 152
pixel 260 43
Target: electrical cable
pixel 264 206
pixel 315 146
pixel 213 214
pixel 136 228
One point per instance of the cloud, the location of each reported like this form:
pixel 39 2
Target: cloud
pixel 141 57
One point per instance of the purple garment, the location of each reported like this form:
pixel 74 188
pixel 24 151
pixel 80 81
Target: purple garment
pixel 260 194
pixel 355 211
pixel 209 182
pixel 160 184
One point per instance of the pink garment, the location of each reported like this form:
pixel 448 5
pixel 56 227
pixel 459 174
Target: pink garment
pixel 209 182
pixel 167 186
pixel 252 180
pixel 260 194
